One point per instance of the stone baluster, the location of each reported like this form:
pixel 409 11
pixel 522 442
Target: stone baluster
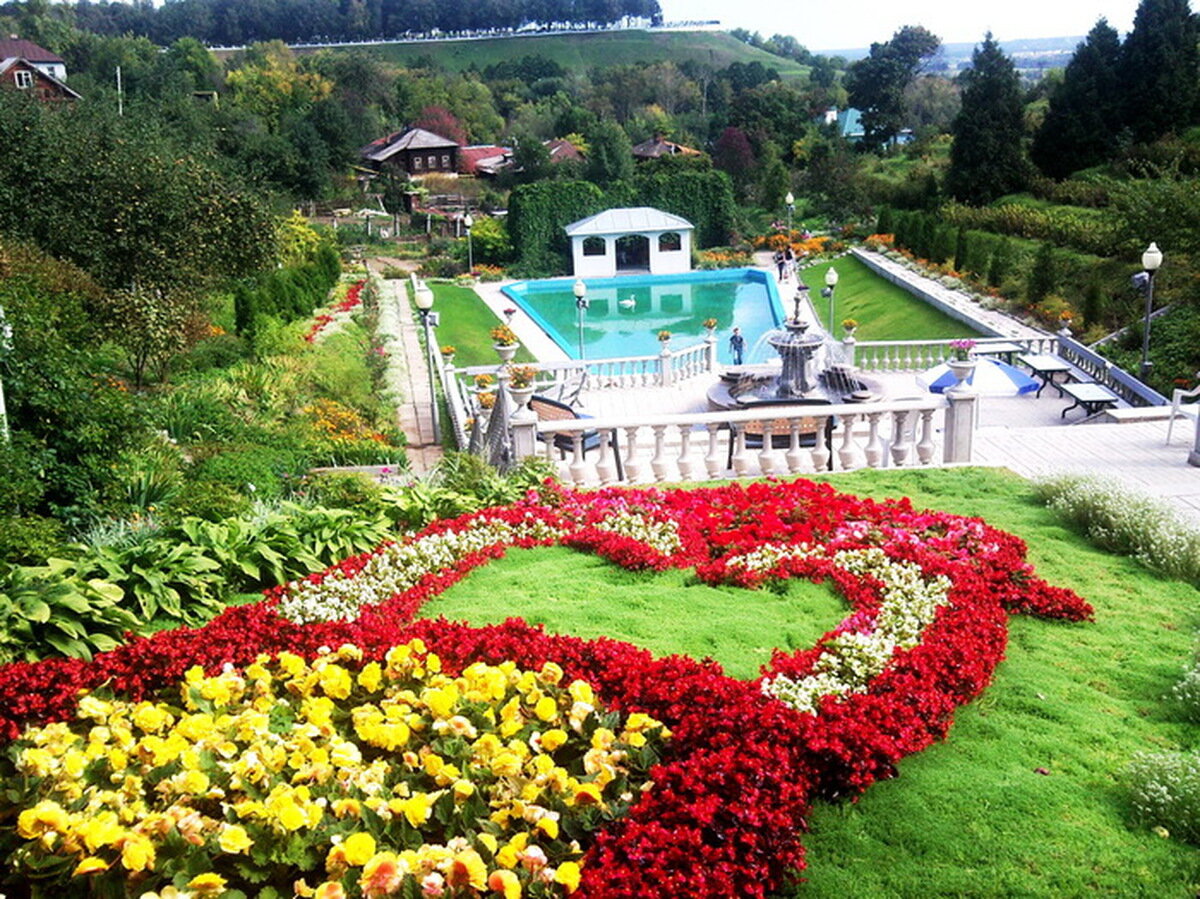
pixel 712 462
pixel 633 462
pixel 766 454
pixel 795 455
pixel 901 439
pixel 688 466
pixel 874 441
pixel 847 452
pixel 578 465
pixel 606 467
pixel 659 463
pixel 820 451
pixel 741 460
pixel 925 447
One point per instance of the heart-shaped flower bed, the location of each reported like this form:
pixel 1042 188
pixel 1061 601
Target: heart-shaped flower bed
pixel 929 594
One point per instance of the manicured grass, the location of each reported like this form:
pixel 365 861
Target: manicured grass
pixel 883 310
pixel 579 52
pixel 464 323
pixel 972 816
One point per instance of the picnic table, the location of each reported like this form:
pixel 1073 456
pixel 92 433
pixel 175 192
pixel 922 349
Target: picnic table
pixel 1006 350
pixel 1045 367
pixel 1089 396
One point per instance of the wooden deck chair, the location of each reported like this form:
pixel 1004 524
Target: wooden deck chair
pixel 547 409
pixel 1177 405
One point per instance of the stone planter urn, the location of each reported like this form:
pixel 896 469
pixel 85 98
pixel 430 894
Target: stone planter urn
pixel 505 351
pixel 961 369
pixel 521 395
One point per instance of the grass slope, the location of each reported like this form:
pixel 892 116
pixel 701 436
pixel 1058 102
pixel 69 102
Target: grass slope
pixel 971 816
pixel 883 310
pixel 576 52
pixel 464 322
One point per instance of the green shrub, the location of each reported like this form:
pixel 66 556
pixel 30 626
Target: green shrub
pixel 46 611
pixel 210 500
pixel 219 351
pixel 1165 792
pixel 31 539
pixel 344 490
pixel 193 413
pixel 258 470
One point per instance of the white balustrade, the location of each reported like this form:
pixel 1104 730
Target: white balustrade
pixel 694 445
pixel 918 355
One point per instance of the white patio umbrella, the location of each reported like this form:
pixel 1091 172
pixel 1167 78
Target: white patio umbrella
pixel 991 377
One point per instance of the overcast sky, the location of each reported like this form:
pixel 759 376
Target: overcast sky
pixel 831 25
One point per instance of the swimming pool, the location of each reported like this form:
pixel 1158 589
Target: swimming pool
pixel 626 313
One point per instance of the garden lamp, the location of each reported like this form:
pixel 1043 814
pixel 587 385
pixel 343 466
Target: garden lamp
pixel 790 199
pixel 1152 258
pixel 423 297
pixel 581 304
pixel 468 222
pixel 831 279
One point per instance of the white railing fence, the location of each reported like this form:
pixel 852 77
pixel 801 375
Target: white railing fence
pixel 776 440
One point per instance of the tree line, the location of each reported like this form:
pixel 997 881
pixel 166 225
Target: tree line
pixel 237 22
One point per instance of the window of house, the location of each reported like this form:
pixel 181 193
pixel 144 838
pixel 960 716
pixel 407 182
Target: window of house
pixel 669 242
pixel 593 246
pixel 445 160
pixel 24 79
pixel 433 162
pixel 416 163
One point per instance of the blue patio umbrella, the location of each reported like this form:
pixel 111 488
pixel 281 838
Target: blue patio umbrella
pixel 990 378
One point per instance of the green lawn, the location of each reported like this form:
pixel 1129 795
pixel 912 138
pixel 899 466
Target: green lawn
pixel 883 310
pixel 579 52
pixel 464 322
pixel 971 816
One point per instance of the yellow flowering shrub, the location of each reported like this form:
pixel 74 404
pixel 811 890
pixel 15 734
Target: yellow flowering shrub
pixel 331 778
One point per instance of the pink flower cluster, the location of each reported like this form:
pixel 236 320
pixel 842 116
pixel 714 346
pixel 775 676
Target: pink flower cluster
pixel 730 798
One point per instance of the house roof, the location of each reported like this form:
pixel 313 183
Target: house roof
pixel 385 148
pixel 659 146
pixel 6 64
pixel 481 157
pixel 631 220
pixel 27 50
pixel 562 150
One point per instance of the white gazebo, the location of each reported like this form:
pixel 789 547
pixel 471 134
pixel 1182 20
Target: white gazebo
pixel 633 240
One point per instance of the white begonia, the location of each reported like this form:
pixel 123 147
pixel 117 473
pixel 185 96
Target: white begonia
pixel 852 659
pixel 399 566
pixel 661 535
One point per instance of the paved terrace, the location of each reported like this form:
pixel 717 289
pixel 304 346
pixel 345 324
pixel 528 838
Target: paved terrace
pixel 1027 435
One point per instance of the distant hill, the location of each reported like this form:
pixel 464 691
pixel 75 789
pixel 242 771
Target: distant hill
pixel 582 51
pixel 1031 56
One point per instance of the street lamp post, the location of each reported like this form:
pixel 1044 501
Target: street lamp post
pixel 424 300
pixel 581 304
pixel 1151 260
pixel 791 207
pixel 468 222
pixel 831 279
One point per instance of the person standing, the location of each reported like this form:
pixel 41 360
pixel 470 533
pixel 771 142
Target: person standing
pixel 781 264
pixel 737 346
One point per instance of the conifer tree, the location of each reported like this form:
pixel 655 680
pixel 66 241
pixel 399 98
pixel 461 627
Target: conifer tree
pixel 987 159
pixel 1159 68
pixel 1085 109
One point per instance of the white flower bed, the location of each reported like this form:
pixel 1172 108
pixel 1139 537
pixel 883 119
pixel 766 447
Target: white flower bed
pixel 863 650
pixel 395 568
pixel 661 535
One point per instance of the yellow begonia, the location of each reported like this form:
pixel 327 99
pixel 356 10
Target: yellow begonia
pixel 234 839
pixel 370 676
pixel 553 738
pixel 149 717
pixel 506 883
pixel 547 708
pixel 568 875
pixel 548 826
pixel 90 865
pixel 45 817
pixel 467 869
pixel 581 691
pixel 207 884
pixel 137 853
pixel 358 848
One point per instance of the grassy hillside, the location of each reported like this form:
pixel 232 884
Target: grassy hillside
pixel 582 51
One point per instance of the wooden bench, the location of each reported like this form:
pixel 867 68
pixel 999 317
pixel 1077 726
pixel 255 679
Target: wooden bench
pixel 547 409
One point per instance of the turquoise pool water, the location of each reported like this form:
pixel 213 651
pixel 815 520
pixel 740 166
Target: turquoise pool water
pixel 626 313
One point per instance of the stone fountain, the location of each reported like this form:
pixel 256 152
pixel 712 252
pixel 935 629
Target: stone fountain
pixel 797 381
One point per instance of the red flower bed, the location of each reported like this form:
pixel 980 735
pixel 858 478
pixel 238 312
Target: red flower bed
pixel 351 300
pixel 731 797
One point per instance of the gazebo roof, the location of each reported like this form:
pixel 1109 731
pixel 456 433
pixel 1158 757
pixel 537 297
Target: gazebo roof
pixel 632 220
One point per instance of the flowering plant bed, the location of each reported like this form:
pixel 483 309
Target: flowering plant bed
pixel 322 320
pixel 929 596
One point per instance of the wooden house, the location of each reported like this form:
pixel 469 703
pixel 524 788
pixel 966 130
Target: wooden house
pixel 412 150
pixel 25 66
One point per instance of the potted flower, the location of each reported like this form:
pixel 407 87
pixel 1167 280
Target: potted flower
pixel 448 352
pixel 508 314
pixel 961 348
pixel 849 325
pixel 504 342
pixel 710 325
pixel 961 363
pixel 520 383
pixel 483 383
pixel 664 336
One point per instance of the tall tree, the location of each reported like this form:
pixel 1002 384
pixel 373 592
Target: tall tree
pixel 1078 129
pixel 877 83
pixel 987 159
pixel 611 159
pixel 1159 68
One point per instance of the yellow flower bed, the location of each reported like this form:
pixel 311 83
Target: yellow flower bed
pixel 334 778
